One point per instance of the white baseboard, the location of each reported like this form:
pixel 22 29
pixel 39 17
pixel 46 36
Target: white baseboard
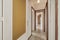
pixel 24 37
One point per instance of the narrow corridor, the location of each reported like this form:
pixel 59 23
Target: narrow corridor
pixel 39 19
pixel 38 36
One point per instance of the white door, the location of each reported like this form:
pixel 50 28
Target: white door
pixel 1 20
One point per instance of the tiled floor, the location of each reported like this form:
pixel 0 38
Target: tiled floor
pixel 38 36
pixel 34 38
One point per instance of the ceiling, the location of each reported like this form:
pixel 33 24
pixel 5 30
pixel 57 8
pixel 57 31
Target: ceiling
pixel 38 6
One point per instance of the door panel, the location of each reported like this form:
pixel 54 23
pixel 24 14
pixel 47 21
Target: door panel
pixel 0 30
pixel 0 19
pixel 0 8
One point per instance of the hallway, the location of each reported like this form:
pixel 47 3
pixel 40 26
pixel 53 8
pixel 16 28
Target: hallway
pixel 38 36
pixel 29 19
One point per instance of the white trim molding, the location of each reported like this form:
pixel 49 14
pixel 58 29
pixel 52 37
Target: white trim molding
pixel 51 19
pixel 23 37
pixel 7 22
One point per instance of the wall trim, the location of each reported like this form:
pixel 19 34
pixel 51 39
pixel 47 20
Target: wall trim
pixel 23 37
pixel 7 19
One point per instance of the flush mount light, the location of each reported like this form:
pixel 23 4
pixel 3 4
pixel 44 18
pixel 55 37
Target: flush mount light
pixel 38 1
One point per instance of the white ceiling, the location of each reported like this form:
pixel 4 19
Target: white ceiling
pixel 38 6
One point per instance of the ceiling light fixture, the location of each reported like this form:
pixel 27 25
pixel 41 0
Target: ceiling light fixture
pixel 38 1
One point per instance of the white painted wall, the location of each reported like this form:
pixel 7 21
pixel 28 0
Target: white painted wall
pixel 0 19
pixel 33 20
pixel 51 19
pixel 42 21
pixel 58 19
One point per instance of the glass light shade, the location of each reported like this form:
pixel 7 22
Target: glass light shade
pixel 38 1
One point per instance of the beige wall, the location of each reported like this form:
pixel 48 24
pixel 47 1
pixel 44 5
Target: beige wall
pixel 19 18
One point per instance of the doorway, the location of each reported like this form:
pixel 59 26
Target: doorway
pixel 39 21
pixel 51 23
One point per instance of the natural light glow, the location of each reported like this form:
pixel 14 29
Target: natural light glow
pixel 38 1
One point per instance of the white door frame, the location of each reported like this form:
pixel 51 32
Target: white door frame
pixel 8 14
pixel 51 19
pixel 1 21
